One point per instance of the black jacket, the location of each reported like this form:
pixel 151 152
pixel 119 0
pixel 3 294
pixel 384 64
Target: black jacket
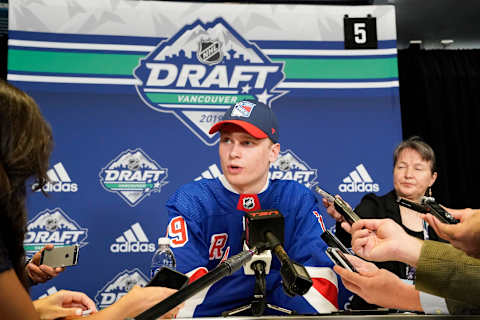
pixel 380 207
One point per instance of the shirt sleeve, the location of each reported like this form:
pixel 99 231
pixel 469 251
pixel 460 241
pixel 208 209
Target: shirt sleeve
pixel 189 249
pixel 185 233
pixel 431 304
pixel 448 272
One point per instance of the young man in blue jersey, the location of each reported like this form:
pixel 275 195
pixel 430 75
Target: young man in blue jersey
pixel 206 220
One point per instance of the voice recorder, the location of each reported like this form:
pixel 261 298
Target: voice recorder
pixel 340 205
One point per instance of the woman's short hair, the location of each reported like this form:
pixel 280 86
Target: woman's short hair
pixel 418 144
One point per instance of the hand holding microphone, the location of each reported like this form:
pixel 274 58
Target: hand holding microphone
pixel 340 210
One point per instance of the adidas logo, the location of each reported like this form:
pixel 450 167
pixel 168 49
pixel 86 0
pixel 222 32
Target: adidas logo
pixel 358 181
pixel 50 291
pixel 132 240
pixel 211 173
pixel 59 180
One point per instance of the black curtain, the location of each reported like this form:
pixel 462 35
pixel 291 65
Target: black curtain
pixel 440 101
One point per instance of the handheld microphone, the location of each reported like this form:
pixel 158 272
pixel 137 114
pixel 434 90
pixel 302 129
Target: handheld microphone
pixel 266 227
pixel 412 205
pixel 429 205
pixel 265 257
pixel 436 210
pixel 224 269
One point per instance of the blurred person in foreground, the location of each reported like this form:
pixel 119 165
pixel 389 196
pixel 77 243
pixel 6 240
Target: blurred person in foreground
pixel 442 269
pixel 25 146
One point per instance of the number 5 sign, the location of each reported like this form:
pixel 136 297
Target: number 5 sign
pixel 360 33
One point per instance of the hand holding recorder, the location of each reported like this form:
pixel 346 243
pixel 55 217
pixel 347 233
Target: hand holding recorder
pixel 429 205
pixel 341 210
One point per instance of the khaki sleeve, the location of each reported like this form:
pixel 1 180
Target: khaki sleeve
pixel 447 272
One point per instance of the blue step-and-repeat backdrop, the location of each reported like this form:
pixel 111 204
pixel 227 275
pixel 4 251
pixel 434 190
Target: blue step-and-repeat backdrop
pixel 132 87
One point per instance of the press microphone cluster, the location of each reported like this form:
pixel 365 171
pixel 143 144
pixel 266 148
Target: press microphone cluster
pixel 265 230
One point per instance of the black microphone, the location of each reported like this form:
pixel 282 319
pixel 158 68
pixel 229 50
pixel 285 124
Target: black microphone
pixel 224 269
pixel 265 229
pixel 436 210
pixel 428 205
pixel 412 205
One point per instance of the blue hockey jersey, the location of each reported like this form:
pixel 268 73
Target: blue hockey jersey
pixel 206 226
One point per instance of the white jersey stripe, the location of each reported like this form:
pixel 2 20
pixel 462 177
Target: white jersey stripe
pixel 318 301
pixel 315 298
pixel 120 239
pixel 192 303
pixel 137 229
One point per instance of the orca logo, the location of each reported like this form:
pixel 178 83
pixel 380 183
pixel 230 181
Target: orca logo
pixel 53 226
pixel 201 71
pixel 290 167
pixel 133 175
pixel 119 286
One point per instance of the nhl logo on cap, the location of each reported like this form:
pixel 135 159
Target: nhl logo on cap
pixel 242 109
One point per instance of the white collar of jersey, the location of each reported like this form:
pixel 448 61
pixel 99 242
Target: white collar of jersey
pixel 229 187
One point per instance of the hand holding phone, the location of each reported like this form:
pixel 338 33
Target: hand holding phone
pixel 169 278
pixel 60 256
pixel 339 259
pixel 341 206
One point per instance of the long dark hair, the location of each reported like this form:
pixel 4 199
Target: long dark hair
pixel 25 146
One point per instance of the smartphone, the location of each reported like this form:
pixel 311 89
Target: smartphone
pixel 166 277
pixel 332 241
pixel 60 256
pixel 339 259
pixel 340 205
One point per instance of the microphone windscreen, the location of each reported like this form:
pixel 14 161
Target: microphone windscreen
pixel 258 223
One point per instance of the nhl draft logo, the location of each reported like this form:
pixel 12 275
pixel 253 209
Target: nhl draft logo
pixel 53 226
pixel 209 52
pixel 119 286
pixel 290 167
pixel 133 175
pixel 201 71
pixel 248 203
